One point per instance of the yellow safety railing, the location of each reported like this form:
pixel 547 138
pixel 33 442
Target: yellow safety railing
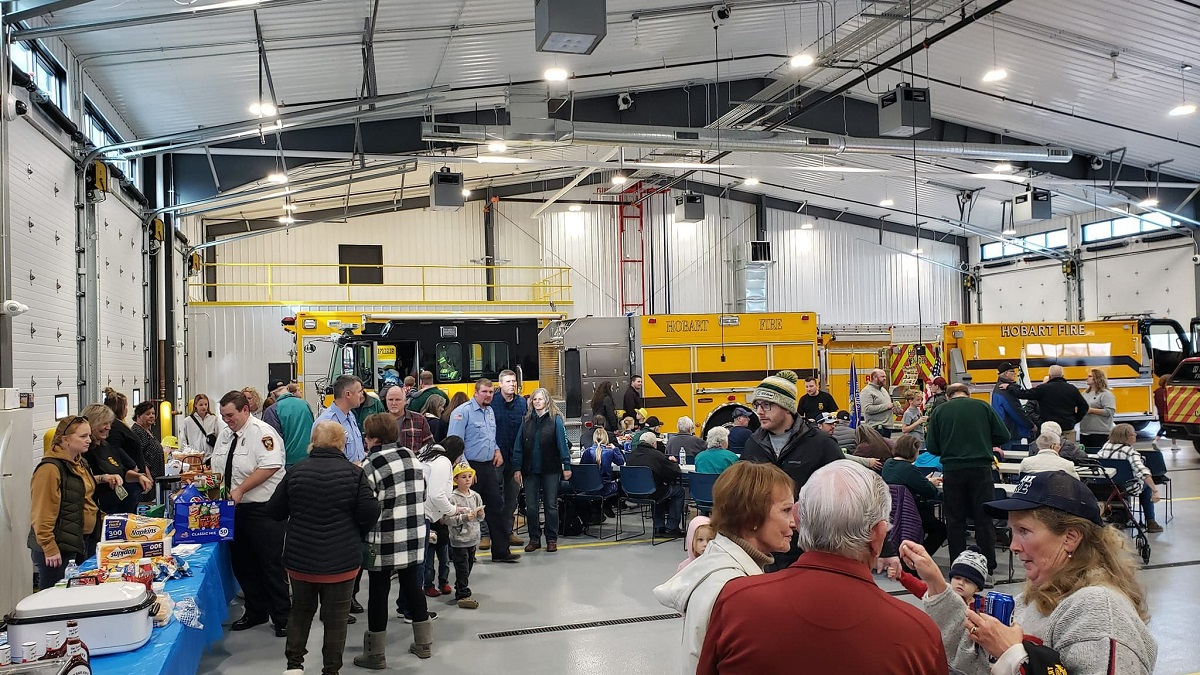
pixel 334 284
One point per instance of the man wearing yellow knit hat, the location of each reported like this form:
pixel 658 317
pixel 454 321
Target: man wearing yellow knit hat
pixel 786 440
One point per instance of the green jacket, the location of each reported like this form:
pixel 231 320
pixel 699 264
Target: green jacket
pixel 714 460
pixel 417 402
pixel 963 432
pixel 370 406
pixel 293 419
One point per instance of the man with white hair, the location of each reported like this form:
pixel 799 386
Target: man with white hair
pixel 686 440
pixel 1058 401
pixel 1047 458
pixel 814 614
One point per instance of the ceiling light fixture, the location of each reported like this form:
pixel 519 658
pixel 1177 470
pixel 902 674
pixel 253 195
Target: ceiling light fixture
pixel 806 225
pixel 1003 167
pixel 287 220
pixel 996 73
pixel 575 208
pixel 279 178
pixel 497 146
pixel 619 179
pixel 466 192
pixel 1148 203
pixel 802 60
pixel 1008 231
pixel 263 109
pixel 917 251
pixel 290 207
pixel 886 203
pixel 750 182
pixel 1184 108
pixel 556 74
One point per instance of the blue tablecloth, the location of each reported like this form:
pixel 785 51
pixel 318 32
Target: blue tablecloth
pixel 175 649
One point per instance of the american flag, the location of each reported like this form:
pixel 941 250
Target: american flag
pixel 855 408
pixel 936 370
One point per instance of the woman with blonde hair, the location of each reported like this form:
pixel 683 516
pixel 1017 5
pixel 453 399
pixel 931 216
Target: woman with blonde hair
pixel 119 480
pixel 199 431
pixel 65 518
pixel 1082 611
pixel 542 456
pixel 1102 406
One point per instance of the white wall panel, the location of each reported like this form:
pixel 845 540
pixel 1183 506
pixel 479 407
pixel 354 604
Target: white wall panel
pixel 122 328
pixel 1156 278
pixel 42 190
pixel 849 274
pixel 1034 292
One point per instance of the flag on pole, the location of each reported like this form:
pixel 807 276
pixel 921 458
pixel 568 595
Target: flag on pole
pixel 1025 381
pixel 855 409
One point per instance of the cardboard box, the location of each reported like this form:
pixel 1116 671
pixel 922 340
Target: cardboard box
pixel 119 552
pixel 128 527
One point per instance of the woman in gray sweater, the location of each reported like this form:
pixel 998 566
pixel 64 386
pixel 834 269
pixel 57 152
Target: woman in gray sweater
pixel 1082 607
pixel 1102 406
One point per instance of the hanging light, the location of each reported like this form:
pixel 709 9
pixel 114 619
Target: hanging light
pixel 277 177
pixel 802 60
pixel 287 220
pixel 497 146
pixel 555 74
pixel 466 192
pixel 1003 167
pixel 750 182
pixel 263 109
pixel 575 208
pixel 996 73
pixel 1184 108
pixel 619 179
pixel 1008 231
pixel 806 225
pixel 1148 203
pixel 886 202
pixel 289 207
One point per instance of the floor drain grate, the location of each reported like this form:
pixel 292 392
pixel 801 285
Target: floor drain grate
pixel 577 626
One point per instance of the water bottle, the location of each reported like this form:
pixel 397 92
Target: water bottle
pixel 72 571
pixel 682 456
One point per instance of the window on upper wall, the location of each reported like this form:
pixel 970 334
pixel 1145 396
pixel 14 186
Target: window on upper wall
pixel 101 134
pixel 33 59
pixel 360 264
pixel 1126 226
pixel 1002 249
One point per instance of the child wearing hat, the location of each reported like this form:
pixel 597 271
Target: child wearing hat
pixel 966 575
pixel 464 532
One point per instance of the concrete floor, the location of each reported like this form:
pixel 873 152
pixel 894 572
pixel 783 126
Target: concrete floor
pixel 588 581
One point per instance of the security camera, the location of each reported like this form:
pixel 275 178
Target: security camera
pixel 1196 259
pixel 13 308
pixel 720 14
pixel 1097 164
pixel 624 101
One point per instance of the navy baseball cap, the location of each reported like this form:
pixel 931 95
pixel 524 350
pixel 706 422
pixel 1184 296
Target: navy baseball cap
pixel 1054 489
pixel 740 412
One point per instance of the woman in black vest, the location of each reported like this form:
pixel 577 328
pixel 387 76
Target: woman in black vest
pixel 119 481
pixel 65 518
pixel 543 458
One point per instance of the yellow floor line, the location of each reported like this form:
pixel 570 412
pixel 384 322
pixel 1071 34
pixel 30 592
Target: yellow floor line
pixel 598 544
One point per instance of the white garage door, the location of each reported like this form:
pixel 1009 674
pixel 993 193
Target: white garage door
pixel 122 306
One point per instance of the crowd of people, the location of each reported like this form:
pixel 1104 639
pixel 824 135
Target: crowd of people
pixel 414 484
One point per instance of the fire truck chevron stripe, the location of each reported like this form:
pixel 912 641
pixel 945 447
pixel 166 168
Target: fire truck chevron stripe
pixel 1183 405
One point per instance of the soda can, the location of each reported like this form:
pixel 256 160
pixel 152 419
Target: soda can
pixel 1001 606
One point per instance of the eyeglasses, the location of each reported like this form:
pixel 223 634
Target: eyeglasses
pixel 765 406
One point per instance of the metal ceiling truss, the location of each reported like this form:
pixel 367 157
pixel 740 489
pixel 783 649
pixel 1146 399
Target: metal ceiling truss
pixel 21 10
pixel 229 7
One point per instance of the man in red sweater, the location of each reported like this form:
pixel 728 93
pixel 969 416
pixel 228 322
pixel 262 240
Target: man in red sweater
pixel 824 614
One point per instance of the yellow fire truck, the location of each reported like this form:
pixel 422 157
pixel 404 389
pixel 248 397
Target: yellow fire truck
pixel 458 348
pixel 699 365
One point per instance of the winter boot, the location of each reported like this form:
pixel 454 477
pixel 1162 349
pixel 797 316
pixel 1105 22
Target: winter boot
pixel 373 651
pixel 422 644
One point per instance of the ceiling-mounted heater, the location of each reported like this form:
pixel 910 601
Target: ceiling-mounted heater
pixel 689 208
pixel 905 111
pixel 569 26
pixel 446 191
pixel 1030 206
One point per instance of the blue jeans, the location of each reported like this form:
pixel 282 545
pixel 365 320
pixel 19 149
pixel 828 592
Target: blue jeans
pixel 542 487
pixel 442 549
pixel 668 512
pixel 1147 505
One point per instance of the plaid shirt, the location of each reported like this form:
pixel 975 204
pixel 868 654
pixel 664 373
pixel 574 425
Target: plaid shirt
pixel 1122 451
pixel 414 431
pixel 397 478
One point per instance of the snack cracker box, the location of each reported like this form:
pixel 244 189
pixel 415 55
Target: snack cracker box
pixel 115 552
pixel 130 527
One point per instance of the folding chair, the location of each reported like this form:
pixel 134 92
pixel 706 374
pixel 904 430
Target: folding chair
pixel 637 482
pixel 1157 464
pixel 585 478
pixel 701 485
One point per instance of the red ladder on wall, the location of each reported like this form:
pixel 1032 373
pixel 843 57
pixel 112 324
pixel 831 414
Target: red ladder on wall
pixel 631 247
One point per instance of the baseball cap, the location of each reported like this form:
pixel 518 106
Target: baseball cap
pixel 276 384
pixel 844 415
pixel 1005 367
pixel 653 422
pixel 829 418
pixel 649 438
pixel 940 381
pixel 1054 489
pixel 740 412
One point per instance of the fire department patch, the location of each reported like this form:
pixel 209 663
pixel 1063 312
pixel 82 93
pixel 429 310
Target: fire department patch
pixel 268 443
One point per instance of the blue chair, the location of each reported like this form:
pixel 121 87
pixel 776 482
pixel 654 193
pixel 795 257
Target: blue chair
pixel 1123 477
pixel 585 478
pixel 637 484
pixel 1157 464
pixel 701 486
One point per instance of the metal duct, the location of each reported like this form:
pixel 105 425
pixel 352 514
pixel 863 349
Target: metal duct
pixel 592 133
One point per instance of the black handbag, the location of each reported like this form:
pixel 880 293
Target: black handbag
pixel 211 439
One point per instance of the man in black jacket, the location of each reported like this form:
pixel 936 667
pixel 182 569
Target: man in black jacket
pixel 668 493
pixel 1058 401
pixel 633 396
pixel 786 440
